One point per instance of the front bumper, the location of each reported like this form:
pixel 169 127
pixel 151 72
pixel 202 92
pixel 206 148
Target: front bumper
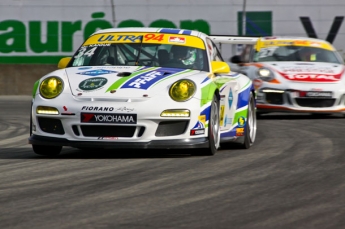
pixel 154 144
pixel 288 100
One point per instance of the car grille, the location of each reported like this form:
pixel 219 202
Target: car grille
pixel 50 125
pixel 107 131
pixel 274 98
pixel 171 128
pixel 304 102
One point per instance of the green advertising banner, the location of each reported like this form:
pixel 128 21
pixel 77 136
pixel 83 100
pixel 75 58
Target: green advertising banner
pixel 257 23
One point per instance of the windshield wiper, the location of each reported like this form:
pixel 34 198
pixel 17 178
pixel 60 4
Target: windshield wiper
pixel 141 45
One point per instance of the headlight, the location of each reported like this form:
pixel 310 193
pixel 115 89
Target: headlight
pixel 265 74
pixel 51 87
pixel 47 110
pixel 182 90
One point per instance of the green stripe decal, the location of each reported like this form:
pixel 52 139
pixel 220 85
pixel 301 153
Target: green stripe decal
pixel 239 114
pixel 121 81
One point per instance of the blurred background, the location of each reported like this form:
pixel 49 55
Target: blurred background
pixel 35 34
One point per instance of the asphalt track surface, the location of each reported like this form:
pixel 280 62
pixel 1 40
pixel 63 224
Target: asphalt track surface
pixel 293 177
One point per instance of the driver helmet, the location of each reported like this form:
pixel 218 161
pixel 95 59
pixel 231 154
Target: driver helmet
pixel 307 55
pixel 184 54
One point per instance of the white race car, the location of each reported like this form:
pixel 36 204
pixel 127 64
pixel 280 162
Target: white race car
pixel 294 74
pixel 143 88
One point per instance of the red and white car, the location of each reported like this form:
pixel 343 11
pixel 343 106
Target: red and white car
pixel 294 74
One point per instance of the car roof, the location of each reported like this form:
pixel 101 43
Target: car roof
pixel 296 41
pixel 292 38
pixel 154 30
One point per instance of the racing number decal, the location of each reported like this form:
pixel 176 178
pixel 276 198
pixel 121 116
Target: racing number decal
pixel 266 52
pixel 154 37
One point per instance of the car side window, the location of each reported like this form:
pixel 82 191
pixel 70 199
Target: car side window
pixel 213 51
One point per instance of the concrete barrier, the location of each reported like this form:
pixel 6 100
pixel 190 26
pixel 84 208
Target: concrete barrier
pixel 18 79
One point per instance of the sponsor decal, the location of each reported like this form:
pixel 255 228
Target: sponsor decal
pixel 202 118
pixel 108 118
pixel 307 69
pixel 239 131
pixel 124 109
pixel 108 138
pixel 227 120
pixel 92 84
pixel 316 44
pixel 316 94
pixel 97 45
pixel 230 98
pixel 312 77
pixel 300 42
pixel 241 121
pixel 180 40
pixel 96 72
pixel 91 108
pixel 94 108
pixel 199 125
pixel 222 107
pixel 131 38
pixel 197 132
pixel 147 79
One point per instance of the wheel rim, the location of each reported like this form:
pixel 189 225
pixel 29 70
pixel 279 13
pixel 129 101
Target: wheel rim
pixel 251 122
pixel 214 121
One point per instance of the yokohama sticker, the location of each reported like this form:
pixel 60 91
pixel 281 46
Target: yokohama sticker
pixel 108 118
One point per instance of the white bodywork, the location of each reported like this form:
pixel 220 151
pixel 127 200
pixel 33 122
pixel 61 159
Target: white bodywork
pixel 146 96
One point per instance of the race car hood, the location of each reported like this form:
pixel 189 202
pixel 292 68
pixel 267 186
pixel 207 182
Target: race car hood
pixel 308 71
pixel 123 81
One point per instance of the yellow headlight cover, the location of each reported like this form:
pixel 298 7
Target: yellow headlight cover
pixel 182 90
pixel 51 87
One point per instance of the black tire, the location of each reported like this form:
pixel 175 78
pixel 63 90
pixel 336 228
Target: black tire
pixel 213 129
pixel 250 129
pixel 47 150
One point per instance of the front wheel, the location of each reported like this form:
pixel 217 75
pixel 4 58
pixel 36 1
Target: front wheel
pixel 47 150
pixel 213 129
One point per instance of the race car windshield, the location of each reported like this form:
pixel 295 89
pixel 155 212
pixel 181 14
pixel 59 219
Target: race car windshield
pixel 296 53
pixel 141 54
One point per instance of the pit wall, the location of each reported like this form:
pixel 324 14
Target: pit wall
pixel 19 79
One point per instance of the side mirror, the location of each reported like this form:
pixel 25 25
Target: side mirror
pixel 220 67
pixel 236 59
pixel 63 62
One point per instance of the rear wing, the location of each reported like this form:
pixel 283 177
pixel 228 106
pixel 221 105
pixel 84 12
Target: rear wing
pixel 239 46
pixel 234 40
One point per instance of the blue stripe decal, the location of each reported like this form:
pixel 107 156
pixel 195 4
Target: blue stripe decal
pixel 206 79
pixel 243 98
pixel 231 133
pixel 172 31
pixel 235 74
pixel 206 112
pixel 222 88
pixel 187 32
pixel 147 79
